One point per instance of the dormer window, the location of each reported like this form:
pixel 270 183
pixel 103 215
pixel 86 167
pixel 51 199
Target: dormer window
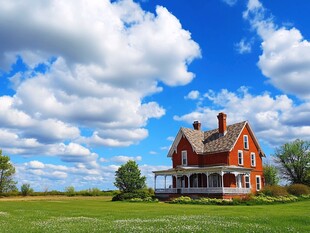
pixel 184 157
pixel 246 142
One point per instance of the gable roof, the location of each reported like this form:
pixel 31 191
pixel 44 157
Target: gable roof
pixel 210 142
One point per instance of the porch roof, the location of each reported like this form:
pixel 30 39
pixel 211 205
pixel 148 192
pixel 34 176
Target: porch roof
pixel 187 169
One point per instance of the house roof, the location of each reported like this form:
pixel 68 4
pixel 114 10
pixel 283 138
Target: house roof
pixel 211 141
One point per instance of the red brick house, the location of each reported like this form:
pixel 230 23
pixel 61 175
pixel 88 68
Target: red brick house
pixel 224 162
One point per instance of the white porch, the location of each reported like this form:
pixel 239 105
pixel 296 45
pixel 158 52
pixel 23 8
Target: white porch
pixel 221 190
pixel 204 180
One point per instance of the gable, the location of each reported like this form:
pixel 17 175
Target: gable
pixel 194 137
pixel 253 137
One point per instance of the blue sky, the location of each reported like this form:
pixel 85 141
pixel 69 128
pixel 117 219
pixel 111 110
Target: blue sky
pixel 88 85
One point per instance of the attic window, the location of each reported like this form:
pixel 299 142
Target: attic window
pixel 184 157
pixel 246 142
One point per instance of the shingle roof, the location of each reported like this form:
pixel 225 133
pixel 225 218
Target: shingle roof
pixel 210 141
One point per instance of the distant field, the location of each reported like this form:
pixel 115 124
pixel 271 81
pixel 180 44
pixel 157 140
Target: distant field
pixel 99 214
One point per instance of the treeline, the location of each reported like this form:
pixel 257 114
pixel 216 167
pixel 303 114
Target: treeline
pixel 26 190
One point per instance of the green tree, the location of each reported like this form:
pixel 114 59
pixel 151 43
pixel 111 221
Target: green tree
pixel 70 191
pixel 293 160
pixel 26 190
pixel 128 178
pixel 7 171
pixel 270 175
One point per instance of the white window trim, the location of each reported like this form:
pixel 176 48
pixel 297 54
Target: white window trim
pixel 184 156
pixel 240 152
pixel 253 159
pixel 246 142
pixel 245 183
pixel 260 183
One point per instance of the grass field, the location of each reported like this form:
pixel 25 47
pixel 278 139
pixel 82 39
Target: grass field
pixel 99 214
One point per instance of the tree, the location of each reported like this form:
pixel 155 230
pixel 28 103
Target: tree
pixel 293 160
pixel 270 175
pixel 128 178
pixel 26 190
pixel 7 171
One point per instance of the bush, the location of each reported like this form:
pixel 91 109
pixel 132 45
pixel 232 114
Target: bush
pixel 263 199
pixel 70 191
pixel 274 191
pixel 298 189
pixel 90 192
pixel 142 194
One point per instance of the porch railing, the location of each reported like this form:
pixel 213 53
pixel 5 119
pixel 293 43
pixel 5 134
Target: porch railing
pixel 210 190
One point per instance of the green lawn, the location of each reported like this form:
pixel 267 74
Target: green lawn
pixel 102 215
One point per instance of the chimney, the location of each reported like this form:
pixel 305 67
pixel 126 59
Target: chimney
pixel 222 123
pixel 197 125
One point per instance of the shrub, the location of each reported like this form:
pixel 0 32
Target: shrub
pixel 143 194
pixel 90 192
pixel 182 200
pixel 274 191
pixel 54 192
pixel 70 191
pixel 298 189
pixel 262 199
pixel 151 191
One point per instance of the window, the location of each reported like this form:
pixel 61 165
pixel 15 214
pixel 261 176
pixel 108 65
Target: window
pixel 246 142
pixel 247 181
pixel 258 183
pixel 184 157
pixel 253 160
pixel 240 157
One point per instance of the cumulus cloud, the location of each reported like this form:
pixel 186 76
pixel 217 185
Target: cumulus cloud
pixel 45 176
pixel 285 57
pixel 101 59
pixel 272 118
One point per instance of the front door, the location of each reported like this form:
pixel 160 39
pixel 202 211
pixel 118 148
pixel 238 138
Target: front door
pixel 239 181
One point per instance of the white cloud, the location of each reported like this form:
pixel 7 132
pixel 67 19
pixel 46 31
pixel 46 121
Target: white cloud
pixel 230 2
pixel 43 176
pixel 103 160
pixel 192 95
pixel 35 165
pixel 243 46
pixel 124 159
pixel 286 54
pixel 272 118
pixel 99 68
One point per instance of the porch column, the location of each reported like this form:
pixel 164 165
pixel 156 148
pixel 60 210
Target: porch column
pixel 188 181
pixel 222 181
pixel 197 177
pixel 207 174
pixel 155 182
